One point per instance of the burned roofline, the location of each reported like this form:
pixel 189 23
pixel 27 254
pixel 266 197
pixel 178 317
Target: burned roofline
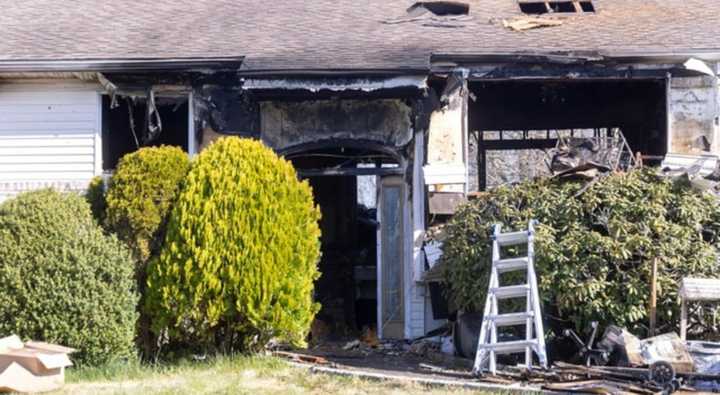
pixel 125 65
pixel 349 72
pixel 574 57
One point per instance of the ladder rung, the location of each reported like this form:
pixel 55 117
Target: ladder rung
pixel 510 319
pixel 511 265
pixel 512 291
pixel 509 347
pixel 513 238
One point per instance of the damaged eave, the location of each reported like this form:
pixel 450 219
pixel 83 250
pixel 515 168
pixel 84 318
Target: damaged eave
pixel 442 62
pixel 367 85
pixel 123 65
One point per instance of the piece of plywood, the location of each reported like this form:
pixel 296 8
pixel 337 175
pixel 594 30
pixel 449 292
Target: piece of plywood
pixel 445 203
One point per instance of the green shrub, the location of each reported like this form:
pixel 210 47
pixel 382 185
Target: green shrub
pixel 141 194
pixel 95 196
pixel 63 280
pixel 594 250
pixel 241 251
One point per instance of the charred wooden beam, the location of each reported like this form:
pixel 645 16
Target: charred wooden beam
pixel 355 171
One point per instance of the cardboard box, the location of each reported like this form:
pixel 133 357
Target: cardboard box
pixel 32 366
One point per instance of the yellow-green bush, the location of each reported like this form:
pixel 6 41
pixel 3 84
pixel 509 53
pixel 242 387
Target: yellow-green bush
pixel 62 279
pixel 141 194
pixel 241 251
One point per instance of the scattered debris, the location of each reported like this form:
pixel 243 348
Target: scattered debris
pixel 667 348
pixel 370 338
pixel 522 23
pixel 696 175
pixel 32 366
pixel 352 345
pixel 706 356
pixel 587 352
pixel 300 357
pixel 696 290
pixel 587 158
pixel 435 382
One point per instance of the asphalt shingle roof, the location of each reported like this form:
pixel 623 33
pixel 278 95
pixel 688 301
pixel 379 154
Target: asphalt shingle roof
pixel 334 34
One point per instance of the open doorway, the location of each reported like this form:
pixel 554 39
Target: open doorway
pixel 362 258
pixel 512 123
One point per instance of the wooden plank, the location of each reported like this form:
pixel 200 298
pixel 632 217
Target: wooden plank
pixel 467 384
pixel 293 356
pixel 653 296
pixel 497 145
pixel 683 320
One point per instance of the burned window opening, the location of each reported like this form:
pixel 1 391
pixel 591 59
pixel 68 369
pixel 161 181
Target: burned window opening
pixel 587 6
pixel 513 123
pixel 451 14
pixel 124 127
pixel 545 7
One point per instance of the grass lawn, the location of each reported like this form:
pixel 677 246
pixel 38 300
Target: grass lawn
pixel 228 375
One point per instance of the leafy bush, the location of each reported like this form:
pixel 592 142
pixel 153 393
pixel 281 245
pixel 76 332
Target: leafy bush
pixel 95 196
pixel 241 251
pixel 141 194
pixel 63 280
pixel 594 249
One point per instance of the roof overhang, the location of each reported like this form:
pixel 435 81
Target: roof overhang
pixel 573 57
pixel 124 65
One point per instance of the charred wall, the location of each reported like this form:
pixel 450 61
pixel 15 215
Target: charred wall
pixel 384 121
pixel 694 111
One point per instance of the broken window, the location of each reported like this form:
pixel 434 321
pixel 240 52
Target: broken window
pixel 545 7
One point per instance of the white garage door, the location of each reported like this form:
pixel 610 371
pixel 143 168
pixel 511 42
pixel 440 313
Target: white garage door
pixel 49 135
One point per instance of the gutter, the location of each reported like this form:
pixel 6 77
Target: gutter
pixel 124 65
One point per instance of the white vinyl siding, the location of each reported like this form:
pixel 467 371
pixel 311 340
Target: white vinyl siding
pixel 49 135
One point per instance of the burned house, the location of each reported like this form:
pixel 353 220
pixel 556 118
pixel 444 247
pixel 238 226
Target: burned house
pixel 395 111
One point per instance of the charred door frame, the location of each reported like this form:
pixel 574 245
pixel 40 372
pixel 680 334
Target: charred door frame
pixel 398 177
pixel 347 171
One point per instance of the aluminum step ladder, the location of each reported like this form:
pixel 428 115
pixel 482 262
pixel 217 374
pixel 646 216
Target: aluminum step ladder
pixel 488 345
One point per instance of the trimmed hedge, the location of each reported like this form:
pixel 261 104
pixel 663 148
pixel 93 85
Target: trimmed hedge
pixel 141 194
pixel 594 250
pixel 241 251
pixel 63 280
pixel 95 196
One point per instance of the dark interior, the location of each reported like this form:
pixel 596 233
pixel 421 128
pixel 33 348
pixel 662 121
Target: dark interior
pixel 118 138
pixel 347 287
pixel 637 107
